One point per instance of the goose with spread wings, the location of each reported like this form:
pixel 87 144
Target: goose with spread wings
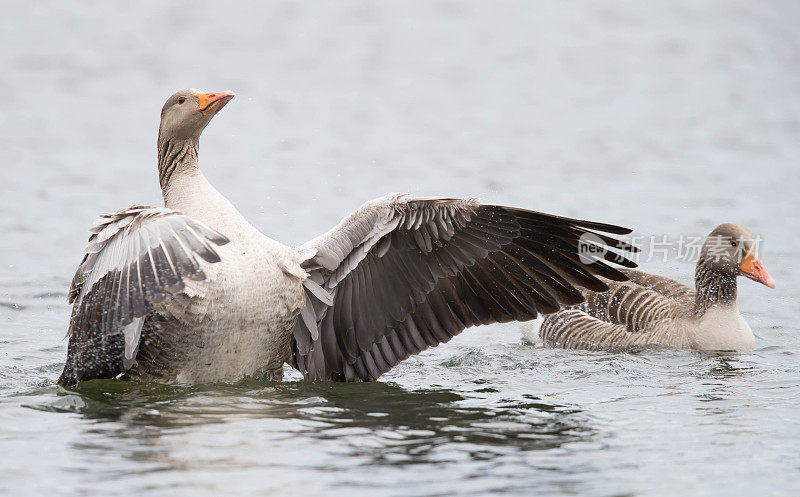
pixel 192 293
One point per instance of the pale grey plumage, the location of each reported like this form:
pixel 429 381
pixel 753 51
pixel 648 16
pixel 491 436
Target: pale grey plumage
pixel 221 301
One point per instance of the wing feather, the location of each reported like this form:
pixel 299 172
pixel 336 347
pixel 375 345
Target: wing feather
pixel 405 274
pixel 135 258
pixel 633 313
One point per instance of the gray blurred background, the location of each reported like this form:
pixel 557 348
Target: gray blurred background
pixel 669 116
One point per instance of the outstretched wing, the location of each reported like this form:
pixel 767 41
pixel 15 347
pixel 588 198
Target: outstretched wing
pixel 403 274
pixel 135 257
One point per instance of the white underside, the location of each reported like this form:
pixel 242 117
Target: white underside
pixel 722 328
pixel 239 319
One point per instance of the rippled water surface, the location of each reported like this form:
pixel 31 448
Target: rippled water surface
pixel 670 117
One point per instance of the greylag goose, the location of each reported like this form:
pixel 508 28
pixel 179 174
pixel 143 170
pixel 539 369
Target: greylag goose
pixel 192 293
pixel 651 310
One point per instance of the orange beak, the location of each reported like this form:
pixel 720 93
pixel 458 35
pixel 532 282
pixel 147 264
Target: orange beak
pixel 213 102
pixel 752 268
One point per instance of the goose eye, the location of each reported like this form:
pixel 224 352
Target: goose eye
pixel 181 100
pixel 734 243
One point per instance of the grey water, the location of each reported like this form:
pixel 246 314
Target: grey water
pixel 669 117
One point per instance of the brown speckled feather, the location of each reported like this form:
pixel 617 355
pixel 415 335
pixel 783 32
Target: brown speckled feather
pixel 633 313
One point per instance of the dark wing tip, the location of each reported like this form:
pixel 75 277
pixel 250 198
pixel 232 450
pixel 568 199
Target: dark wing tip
pixel 206 232
pixel 594 225
pixel 604 227
pixel 218 238
pixel 210 256
pixel 622 260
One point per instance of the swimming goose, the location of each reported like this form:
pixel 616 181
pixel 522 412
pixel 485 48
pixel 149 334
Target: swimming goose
pixel 653 310
pixel 192 293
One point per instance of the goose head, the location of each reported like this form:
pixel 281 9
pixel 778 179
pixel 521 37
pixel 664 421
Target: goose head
pixel 187 112
pixel 732 250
